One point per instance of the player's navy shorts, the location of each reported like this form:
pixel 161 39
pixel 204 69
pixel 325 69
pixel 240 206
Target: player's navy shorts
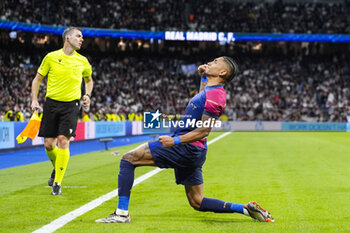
pixel 187 161
pixel 59 118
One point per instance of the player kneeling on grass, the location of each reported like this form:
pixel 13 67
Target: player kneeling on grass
pixel 186 150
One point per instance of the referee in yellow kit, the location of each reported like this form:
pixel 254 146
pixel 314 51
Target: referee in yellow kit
pixel 65 70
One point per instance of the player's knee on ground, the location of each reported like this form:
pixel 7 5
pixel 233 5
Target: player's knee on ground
pixel 195 201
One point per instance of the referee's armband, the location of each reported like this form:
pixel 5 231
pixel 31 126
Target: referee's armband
pixel 177 140
pixel 204 79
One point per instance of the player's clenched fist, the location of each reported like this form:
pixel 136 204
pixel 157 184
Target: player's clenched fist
pixel 201 69
pixel 166 141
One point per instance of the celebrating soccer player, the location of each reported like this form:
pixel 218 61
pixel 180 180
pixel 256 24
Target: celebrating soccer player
pixel 65 69
pixel 186 150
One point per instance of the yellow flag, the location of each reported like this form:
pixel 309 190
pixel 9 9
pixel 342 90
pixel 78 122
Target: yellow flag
pixel 31 130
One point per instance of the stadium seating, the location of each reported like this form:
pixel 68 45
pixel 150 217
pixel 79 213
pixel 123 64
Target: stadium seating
pixel 299 86
pixel 206 15
pixel 284 87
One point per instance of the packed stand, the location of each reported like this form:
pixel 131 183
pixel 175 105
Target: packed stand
pixel 262 17
pixel 266 88
pixel 291 89
pixel 205 15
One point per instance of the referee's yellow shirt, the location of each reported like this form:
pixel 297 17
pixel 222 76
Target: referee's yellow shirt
pixel 64 75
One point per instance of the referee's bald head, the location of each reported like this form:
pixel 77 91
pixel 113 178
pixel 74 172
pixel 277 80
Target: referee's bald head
pixel 68 31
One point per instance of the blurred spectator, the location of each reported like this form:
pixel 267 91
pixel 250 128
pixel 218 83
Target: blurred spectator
pixel 8 116
pixel 18 114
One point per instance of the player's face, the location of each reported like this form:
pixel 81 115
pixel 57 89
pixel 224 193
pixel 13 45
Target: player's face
pixel 216 67
pixel 75 39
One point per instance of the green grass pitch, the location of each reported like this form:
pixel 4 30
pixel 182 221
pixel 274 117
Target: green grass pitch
pixel 301 178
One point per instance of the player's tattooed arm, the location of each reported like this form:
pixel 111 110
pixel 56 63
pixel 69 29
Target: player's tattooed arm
pixel 200 132
pixel 193 136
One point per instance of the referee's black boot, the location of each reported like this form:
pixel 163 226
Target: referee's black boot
pixel 52 178
pixel 56 189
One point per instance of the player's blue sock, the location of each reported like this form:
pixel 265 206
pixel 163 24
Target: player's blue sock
pixel 125 182
pixel 123 202
pixel 218 206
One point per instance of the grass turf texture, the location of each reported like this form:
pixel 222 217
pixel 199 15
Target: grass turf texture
pixel 301 178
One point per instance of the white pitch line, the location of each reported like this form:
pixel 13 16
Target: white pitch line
pixel 218 138
pixel 63 220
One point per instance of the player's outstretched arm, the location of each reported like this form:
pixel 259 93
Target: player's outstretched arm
pixel 192 136
pixel 35 90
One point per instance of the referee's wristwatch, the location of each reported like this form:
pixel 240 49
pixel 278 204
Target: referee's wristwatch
pixel 88 95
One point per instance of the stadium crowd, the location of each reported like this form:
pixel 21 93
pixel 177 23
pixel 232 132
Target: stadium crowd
pixel 279 88
pixel 205 15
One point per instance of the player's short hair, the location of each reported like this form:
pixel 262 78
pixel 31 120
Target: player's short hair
pixel 233 69
pixel 69 31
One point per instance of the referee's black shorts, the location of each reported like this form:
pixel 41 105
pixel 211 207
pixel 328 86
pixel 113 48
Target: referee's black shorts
pixel 59 118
